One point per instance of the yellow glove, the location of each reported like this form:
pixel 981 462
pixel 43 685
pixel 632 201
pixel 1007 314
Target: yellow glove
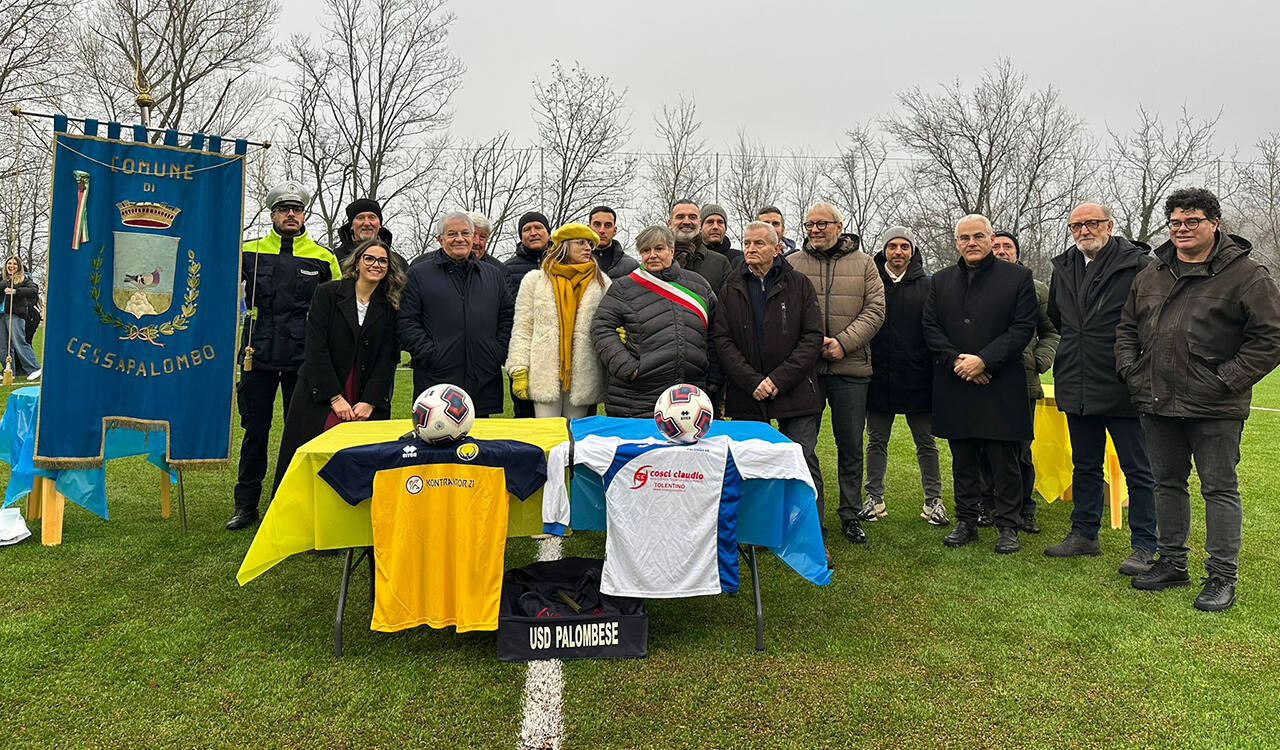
pixel 622 333
pixel 520 384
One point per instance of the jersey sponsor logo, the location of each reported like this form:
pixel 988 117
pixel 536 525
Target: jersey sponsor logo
pixel 410 451
pixel 468 451
pixel 666 480
pixel 641 476
pixel 413 485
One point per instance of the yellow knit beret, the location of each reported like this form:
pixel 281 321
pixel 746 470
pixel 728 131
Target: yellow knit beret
pixel 574 231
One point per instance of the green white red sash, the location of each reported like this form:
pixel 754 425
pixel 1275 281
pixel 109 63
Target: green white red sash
pixel 672 291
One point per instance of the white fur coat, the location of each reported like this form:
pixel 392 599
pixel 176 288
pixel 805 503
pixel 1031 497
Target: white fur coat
pixel 535 342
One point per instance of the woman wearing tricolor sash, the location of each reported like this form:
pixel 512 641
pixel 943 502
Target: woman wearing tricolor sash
pixel 652 329
pixel 550 359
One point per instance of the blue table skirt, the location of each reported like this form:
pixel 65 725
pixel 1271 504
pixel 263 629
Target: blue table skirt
pixel 780 514
pixel 84 487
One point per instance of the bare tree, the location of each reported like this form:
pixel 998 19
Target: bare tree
pixel 494 178
pixel 370 101
pixel 1256 205
pixel 801 188
pixel 1144 163
pixel 1017 156
pixel 582 128
pixel 35 41
pixel 198 59
pixel 753 178
pixel 683 167
pixel 862 180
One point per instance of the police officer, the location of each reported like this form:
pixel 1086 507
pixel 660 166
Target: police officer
pixel 280 272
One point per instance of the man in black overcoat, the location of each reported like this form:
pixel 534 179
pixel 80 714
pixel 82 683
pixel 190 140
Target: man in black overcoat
pixel 979 316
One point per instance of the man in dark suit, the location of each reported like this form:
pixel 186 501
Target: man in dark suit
pixel 979 316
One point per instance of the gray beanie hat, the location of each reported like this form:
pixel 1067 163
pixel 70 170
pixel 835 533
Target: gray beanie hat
pixel 895 232
pixel 711 209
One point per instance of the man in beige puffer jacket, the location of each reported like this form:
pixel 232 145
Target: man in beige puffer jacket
pixel 851 300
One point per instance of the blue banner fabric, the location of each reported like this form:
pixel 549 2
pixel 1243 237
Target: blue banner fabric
pixel 144 248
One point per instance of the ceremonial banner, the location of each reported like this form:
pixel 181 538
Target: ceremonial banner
pixel 143 274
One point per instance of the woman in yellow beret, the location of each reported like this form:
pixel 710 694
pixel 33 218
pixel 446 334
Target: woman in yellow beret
pixel 551 360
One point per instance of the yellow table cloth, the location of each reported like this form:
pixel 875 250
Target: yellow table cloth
pixel 1051 456
pixel 307 514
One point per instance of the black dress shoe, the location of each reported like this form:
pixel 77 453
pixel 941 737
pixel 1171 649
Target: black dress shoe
pixel 242 519
pixel 1007 544
pixel 1028 522
pixel 1218 594
pixel 984 517
pixel 852 531
pixel 1164 574
pixel 962 534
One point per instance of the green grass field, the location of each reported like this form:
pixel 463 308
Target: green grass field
pixel 134 634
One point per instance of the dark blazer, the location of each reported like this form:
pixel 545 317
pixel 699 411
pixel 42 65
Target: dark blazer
pixel 792 343
pixel 335 343
pixel 901 364
pixel 455 322
pixel 989 311
pixel 1084 305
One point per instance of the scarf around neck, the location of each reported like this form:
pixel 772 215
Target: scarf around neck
pixel 570 281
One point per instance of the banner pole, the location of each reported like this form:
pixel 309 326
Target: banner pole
pixel 17 111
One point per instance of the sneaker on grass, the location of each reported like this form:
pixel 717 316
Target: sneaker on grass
pixel 873 509
pixel 935 512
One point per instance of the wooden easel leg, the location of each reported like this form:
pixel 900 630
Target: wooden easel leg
pixel 182 501
pixel 52 506
pixel 33 502
pixel 164 494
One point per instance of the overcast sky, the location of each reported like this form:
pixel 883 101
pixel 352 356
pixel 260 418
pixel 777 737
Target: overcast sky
pixel 820 67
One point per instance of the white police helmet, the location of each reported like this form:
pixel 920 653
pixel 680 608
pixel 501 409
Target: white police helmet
pixel 288 193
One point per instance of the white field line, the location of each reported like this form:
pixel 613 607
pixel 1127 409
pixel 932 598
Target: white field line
pixel 542 727
pixel 1264 408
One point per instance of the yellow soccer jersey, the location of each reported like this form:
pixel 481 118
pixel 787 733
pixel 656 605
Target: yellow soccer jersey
pixel 439 517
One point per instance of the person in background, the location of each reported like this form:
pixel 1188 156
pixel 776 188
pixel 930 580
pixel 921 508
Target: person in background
pixel 1090 284
pixel 551 360
pixel 20 305
pixel 980 314
pixel 653 329
pixel 364 223
pixel 1037 358
pixel 613 260
pixel 851 297
pixel 772 215
pixel 349 366
pixel 455 318
pixel 534 231
pixel 690 255
pixel 715 234
pixel 1200 327
pixel 902 377
pixel 480 240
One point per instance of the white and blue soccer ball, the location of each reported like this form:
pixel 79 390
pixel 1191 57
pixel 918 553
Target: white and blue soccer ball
pixel 683 413
pixel 443 413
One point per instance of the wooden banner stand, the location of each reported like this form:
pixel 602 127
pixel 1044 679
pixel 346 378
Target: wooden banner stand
pixel 46 504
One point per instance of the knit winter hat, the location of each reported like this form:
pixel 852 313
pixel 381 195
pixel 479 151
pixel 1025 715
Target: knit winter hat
pixel 895 232
pixel 530 217
pixel 711 209
pixel 574 231
pixel 361 205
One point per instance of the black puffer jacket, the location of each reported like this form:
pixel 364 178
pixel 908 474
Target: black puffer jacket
pixel 524 261
pixel 1084 304
pixel 1193 345
pixel 614 261
pixel 639 332
pixel 455 322
pixel 712 266
pixel 901 363
pixel 26 298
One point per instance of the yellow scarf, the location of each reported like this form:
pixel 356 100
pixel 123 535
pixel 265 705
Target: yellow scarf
pixel 570 281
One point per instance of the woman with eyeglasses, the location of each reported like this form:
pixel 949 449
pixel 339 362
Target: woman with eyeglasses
pixel 551 360
pixel 351 350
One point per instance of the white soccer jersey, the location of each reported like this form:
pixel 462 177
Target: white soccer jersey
pixel 671 510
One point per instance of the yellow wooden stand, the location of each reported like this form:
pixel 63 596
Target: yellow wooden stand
pixel 47 505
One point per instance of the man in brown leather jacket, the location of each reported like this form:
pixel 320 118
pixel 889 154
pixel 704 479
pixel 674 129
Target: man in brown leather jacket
pixel 1200 327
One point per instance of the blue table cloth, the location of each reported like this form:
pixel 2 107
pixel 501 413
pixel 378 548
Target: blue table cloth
pixel 84 487
pixel 780 514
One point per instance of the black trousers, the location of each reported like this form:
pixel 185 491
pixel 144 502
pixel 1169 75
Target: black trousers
pixel 256 399
pixel 1028 470
pixel 1006 479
